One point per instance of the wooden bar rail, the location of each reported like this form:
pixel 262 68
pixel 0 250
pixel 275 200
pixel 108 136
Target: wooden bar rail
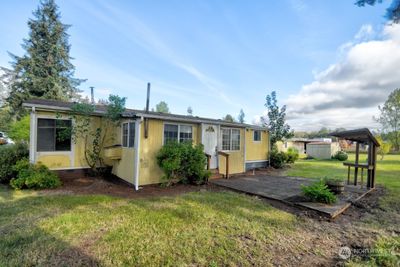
pixel 226 155
pixel 356 167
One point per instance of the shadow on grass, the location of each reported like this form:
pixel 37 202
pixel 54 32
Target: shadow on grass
pixel 24 243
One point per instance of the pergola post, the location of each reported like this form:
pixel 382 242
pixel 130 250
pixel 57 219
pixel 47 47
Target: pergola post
pixel 356 162
pixel 369 172
pixel 374 163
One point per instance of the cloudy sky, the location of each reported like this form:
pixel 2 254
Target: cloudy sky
pixel 331 62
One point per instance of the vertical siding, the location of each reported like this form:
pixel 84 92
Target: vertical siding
pixel 236 158
pixel 124 168
pixel 256 150
pixel 149 172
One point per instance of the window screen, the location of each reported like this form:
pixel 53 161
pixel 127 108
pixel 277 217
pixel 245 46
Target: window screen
pixel 53 135
pixel 131 134
pixel 185 133
pixel 230 139
pixel 170 133
pixel 125 134
pixel 226 139
pixel 235 139
pixel 257 136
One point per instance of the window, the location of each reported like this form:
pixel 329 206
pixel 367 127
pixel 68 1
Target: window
pixel 53 135
pixel 128 134
pixel 173 131
pixel 230 139
pixel 257 135
pixel 185 133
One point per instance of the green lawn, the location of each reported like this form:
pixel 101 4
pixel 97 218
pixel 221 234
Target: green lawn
pixel 200 229
pixel 385 218
pixel 216 228
pixel 388 174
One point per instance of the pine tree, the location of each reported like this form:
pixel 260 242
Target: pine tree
pixel 241 116
pixel 45 71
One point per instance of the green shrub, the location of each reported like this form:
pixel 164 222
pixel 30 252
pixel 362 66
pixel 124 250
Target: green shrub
pixel 9 155
pixel 182 162
pixel 318 192
pixel 292 155
pixel 278 159
pixel 341 155
pixel 34 176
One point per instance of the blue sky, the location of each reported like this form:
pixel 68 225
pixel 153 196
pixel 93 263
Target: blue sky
pixel 215 56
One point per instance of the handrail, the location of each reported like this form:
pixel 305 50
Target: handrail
pixel 208 160
pixel 226 155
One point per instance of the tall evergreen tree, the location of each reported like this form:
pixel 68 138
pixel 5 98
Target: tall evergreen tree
pixel 241 116
pixel 45 71
pixel 276 120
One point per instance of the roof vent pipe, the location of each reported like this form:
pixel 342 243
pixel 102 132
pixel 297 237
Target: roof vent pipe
pixel 148 97
pixel 92 94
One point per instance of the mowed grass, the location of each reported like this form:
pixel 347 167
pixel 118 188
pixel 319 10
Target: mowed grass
pixel 385 218
pixel 387 174
pixel 204 228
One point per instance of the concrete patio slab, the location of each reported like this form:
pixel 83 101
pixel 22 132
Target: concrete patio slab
pixel 288 190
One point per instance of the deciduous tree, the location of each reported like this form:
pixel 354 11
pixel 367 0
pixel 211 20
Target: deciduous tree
pixel 276 120
pixel 162 107
pixel 390 118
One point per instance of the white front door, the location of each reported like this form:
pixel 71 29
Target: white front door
pixel 210 142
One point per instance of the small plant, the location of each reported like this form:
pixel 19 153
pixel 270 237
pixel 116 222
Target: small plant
pixel 182 162
pixel 319 192
pixel 34 176
pixel 278 159
pixel 9 155
pixel 341 156
pixel 292 155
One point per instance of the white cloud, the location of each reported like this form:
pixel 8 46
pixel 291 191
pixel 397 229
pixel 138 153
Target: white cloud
pixel 348 92
pixel 135 30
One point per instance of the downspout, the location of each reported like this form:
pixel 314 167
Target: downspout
pixel 269 149
pixel 138 124
pixel 244 153
pixel 32 136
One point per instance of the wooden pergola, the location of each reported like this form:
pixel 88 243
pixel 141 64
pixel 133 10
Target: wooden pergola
pixel 361 136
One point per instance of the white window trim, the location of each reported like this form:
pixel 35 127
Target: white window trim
pixel 257 141
pixel 127 140
pixel 179 129
pixel 230 141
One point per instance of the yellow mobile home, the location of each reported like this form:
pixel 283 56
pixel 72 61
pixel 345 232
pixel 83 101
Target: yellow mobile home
pixel 132 151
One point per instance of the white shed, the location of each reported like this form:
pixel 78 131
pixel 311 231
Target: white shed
pixel 322 150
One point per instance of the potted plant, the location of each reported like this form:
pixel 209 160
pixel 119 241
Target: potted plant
pixel 335 185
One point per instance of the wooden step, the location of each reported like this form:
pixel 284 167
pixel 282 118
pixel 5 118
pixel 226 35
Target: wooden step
pixel 215 174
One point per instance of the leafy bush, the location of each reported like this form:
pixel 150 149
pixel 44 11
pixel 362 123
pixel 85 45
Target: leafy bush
pixel 182 162
pixel 9 155
pixel 341 155
pixel 292 155
pixel 19 130
pixel 278 159
pixel 319 192
pixel 35 176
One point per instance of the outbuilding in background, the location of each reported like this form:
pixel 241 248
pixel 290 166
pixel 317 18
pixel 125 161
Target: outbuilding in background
pixel 322 150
